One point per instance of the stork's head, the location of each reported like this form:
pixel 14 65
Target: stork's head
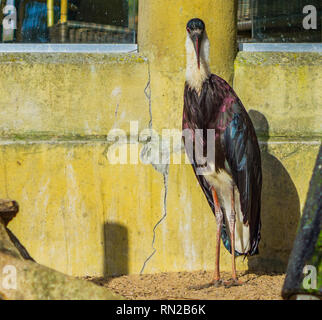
pixel 197 54
pixel 195 29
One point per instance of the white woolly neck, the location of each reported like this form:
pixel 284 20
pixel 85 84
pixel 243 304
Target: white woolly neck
pixel 194 76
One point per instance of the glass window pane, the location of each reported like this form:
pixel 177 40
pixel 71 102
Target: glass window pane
pixel 68 21
pixel 278 21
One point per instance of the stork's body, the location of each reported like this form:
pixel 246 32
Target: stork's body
pixel 232 180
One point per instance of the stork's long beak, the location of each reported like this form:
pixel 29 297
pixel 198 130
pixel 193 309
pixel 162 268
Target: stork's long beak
pixel 196 39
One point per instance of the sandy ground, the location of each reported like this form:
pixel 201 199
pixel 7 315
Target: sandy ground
pixel 194 286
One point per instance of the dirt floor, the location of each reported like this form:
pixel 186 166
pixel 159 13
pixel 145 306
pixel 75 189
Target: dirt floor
pixel 194 286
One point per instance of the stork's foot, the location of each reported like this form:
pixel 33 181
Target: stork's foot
pixel 233 283
pixel 217 283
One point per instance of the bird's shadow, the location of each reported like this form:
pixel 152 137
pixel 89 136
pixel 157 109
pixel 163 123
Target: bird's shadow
pixel 280 211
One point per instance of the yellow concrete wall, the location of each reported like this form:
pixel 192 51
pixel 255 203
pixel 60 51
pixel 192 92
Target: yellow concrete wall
pixel 46 95
pixel 78 213
pixel 283 86
pixel 83 216
pixel 282 92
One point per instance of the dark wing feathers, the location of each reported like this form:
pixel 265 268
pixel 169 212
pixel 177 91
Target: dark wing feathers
pixel 205 188
pixel 243 156
pixel 219 107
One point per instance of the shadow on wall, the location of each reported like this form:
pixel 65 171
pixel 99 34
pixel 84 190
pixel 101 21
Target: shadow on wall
pixel 280 213
pixel 115 250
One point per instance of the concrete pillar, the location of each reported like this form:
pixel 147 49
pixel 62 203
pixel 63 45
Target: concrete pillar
pixel 63 11
pixel 50 13
pixel 161 37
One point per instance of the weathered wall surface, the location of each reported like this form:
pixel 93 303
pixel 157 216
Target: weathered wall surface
pixel 78 213
pixel 282 92
pixel 46 95
pixel 282 86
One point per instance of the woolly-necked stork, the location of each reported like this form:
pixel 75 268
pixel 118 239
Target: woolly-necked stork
pixel 232 180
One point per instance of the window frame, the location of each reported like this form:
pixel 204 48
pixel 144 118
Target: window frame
pixel 68 47
pixel 280 47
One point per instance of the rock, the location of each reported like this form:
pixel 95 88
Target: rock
pixel 21 278
pixel 6 245
pixel 36 282
pixel 22 250
pixel 8 210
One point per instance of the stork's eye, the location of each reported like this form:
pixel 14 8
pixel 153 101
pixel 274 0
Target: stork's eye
pixel 188 30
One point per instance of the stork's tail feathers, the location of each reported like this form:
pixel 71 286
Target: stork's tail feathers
pixel 226 240
pixel 227 243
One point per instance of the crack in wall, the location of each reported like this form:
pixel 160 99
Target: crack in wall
pixel 153 153
pixel 147 92
pixel 149 149
pixel 154 250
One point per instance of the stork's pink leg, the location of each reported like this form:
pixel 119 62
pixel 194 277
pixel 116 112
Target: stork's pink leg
pixel 219 219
